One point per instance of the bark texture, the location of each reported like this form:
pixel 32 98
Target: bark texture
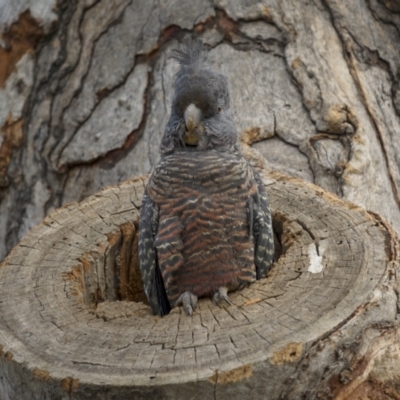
pixel 86 89
pixel 321 325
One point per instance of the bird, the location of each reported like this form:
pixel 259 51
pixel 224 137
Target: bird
pixel 205 225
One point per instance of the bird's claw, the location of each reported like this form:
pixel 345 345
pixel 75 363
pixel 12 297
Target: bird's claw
pixel 222 294
pixel 189 302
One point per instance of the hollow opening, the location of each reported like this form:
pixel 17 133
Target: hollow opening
pixel 277 227
pixel 284 235
pixel 112 272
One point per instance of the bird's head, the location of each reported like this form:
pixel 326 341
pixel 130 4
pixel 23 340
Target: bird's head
pixel 201 118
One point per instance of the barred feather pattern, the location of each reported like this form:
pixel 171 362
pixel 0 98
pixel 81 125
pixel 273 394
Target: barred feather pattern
pixel 262 231
pixel 203 239
pixel 150 271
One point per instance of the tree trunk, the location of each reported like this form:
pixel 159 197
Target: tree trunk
pixel 85 91
pixel 315 83
pixel 321 325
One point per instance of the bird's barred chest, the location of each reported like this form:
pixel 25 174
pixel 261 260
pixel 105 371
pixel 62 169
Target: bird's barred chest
pixel 203 222
pixel 210 173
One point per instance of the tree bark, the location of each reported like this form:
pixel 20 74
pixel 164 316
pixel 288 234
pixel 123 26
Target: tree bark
pixel 321 325
pixel 86 89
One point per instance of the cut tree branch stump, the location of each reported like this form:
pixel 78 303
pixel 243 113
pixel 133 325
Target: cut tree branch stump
pixel 74 325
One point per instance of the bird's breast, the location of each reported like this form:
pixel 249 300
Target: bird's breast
pixel 183 175
pixel 203 239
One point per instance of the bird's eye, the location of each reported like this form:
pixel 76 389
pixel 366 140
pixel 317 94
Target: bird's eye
pixel 219 109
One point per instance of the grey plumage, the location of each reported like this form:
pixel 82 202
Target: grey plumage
pixel 205 226
pixel 209 91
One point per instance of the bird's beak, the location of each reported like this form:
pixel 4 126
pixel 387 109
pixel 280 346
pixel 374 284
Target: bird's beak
pixel 192 117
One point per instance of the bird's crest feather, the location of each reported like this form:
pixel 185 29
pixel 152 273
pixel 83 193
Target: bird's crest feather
pixel 190 53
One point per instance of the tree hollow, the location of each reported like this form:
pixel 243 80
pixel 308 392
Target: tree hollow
pixel 74 323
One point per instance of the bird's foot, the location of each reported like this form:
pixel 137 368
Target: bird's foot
pixel 222 294
pixel 189 302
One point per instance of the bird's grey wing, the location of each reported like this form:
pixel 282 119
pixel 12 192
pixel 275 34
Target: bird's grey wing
pixel 260 223
pixel 151 274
